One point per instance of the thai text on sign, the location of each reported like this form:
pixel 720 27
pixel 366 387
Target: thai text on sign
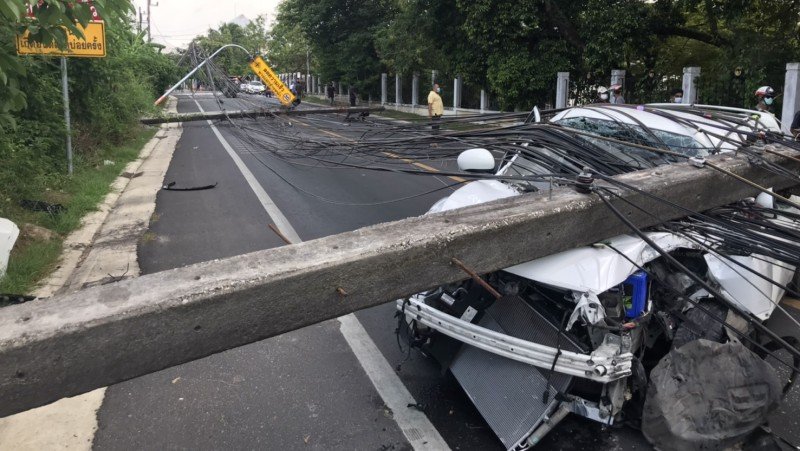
pixel 93 45
pixel 272 81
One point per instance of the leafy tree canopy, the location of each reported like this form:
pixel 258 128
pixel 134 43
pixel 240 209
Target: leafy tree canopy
pixel 47 21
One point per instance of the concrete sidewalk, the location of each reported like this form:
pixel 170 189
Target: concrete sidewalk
pixel 103 250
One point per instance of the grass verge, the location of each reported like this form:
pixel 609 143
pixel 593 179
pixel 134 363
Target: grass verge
pixel 34 257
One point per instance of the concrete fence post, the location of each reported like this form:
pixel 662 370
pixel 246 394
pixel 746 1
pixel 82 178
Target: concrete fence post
pixel 384 88
pixel 791 96
pixel 618 78
pixel 562 89
pixel 398 89
pixel 690 76
pixel 457 88
pixel 483 100
pixel 414 89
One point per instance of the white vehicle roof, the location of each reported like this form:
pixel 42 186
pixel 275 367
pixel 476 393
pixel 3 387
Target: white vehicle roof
pixel 715 130
pixel 630 116
pixel 759 119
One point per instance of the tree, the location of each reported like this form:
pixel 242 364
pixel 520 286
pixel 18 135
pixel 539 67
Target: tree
pixel 252 37
pixel 47 21
pixel 515 48
pixel 341 36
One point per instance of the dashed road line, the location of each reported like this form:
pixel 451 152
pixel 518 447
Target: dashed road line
pixel 388 154
pixel 416 427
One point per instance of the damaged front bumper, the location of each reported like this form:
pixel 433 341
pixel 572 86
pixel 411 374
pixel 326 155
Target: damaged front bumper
pixel 611 361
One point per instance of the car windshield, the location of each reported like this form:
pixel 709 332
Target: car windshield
pixel 637 134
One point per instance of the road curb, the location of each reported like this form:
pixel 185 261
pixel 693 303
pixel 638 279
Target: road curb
pixel 79 244
pixel 103 249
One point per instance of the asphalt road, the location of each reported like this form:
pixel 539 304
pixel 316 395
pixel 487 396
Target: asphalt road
pixel 305 389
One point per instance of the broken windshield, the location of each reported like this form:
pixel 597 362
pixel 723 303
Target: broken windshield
pixel 683 144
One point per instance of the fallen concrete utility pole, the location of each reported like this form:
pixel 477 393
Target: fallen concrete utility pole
pixel 74 343
pixel 237 114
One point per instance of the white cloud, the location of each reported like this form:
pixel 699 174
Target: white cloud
pixel 175 23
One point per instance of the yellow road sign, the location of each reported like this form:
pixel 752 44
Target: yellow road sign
pixel 272 81
pixel 93 46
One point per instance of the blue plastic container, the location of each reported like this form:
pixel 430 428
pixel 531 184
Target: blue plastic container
pixel 635 296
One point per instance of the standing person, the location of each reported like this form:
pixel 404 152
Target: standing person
pixel 616 94
pixel 765 96
pixel 353 93
pixel 435 106
pixel 795 127
pixel 676 96
pixel 331 91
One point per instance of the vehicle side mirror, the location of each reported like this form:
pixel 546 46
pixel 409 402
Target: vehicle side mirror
pixel 476 160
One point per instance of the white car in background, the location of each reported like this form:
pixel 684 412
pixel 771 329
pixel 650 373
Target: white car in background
pixel 252 87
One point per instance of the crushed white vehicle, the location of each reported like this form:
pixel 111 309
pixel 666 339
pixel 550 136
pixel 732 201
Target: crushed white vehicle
pixel 605 331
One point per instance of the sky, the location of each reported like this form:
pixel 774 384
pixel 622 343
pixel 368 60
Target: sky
pixel 175 22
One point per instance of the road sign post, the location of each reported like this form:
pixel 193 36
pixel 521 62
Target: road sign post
pixel 91 45
pixel 65 95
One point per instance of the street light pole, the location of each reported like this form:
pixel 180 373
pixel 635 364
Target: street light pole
pixel 148 20
pixel 186 77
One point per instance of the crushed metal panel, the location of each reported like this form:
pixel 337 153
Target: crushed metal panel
pixel 507 393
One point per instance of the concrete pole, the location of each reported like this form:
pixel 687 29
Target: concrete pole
pixel 150 322
pixel 562 89
pixel 398 89
pixel 618 78
pixel 690 76
pixel 433 77
pixel 457 87
pixel 341 89
pixel 414 89
pixel 384 88
pixel 483 100
pixel 791 96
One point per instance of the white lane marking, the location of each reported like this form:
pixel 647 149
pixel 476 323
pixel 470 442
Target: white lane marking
pixel 416 427
pixel 419 431
pixel 269 206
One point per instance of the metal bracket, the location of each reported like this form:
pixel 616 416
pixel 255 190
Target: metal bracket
pixel 608 363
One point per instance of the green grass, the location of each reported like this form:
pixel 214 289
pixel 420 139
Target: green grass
pixel 32 260
pixel 29 263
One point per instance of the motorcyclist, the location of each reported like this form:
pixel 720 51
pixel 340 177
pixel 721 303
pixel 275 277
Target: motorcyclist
pixel 602 95
pixel 765 96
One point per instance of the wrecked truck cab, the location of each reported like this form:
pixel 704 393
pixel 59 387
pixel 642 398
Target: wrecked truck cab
pixel 582 331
